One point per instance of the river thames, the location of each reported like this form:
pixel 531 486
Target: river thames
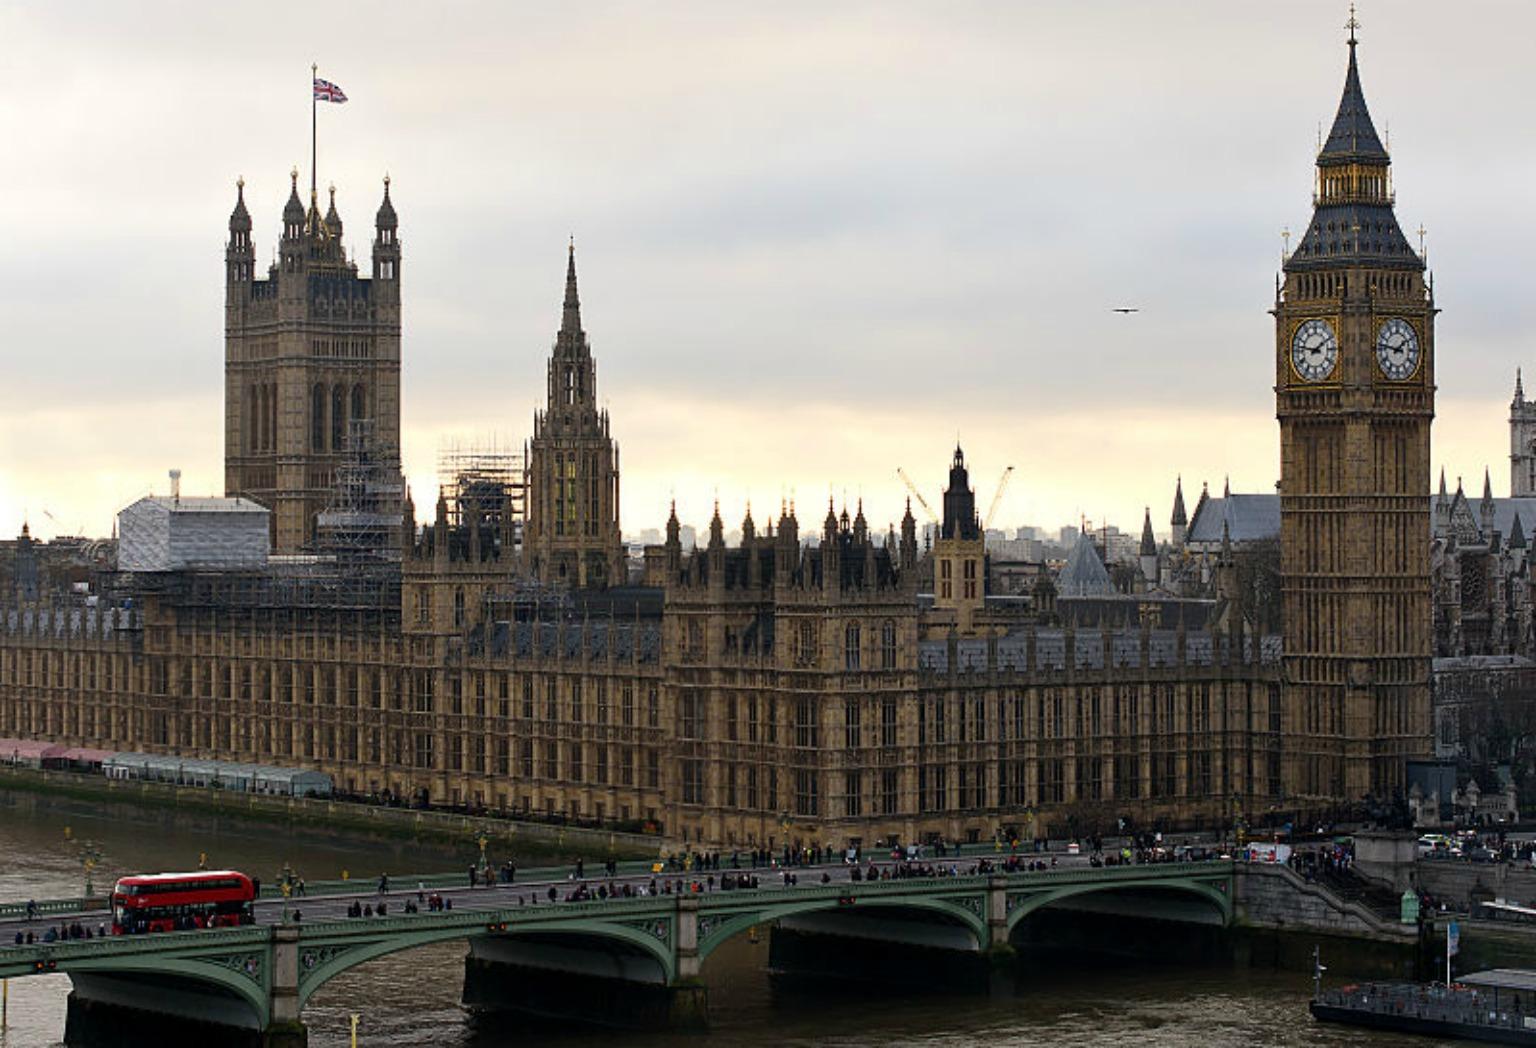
pixel 412 998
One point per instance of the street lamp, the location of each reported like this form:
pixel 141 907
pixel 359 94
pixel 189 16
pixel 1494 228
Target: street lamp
pixel 90 855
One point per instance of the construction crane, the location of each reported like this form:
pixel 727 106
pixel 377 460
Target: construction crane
pixel 917 494
pixel 997 500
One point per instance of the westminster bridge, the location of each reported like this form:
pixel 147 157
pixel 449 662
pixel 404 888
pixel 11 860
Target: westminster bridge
pixel 640 956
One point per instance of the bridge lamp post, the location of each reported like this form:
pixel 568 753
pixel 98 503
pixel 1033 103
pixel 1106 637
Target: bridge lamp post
pixel 90 855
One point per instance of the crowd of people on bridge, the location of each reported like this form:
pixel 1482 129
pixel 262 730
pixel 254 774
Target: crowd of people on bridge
pixel 62 933
pixel 695 873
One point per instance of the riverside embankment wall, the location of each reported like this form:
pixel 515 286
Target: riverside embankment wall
pixel 334 817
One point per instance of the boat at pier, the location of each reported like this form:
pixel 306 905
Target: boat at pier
pixel 1496 1007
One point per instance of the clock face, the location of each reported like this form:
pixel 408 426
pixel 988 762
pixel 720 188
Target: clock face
pixel 1397 349
pixel 1314 350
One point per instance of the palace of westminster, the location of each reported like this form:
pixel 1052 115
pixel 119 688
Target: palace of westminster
pixel 822 682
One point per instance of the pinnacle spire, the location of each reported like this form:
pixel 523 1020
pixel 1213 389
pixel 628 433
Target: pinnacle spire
pixel 240 218
pixel 386 217
pixel 1353 136
pixel 1487 486
pixel 293 211
pixel 332 217
pixel 1148 541
pixel 571 320
pixel 1519 390
pixel 1179 516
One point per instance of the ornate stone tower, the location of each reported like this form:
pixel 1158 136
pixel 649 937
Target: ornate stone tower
pixel 959 551
pixel 1522 443
pixel 308 351
pixel 572 531
pixel 1355 395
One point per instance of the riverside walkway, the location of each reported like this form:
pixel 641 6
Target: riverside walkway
pixel 655 929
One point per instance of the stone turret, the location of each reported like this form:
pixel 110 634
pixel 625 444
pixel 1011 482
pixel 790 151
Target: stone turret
pixel 1148 553
pixel 908 539
pixel 1180 519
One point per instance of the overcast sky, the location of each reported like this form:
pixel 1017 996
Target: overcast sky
pixel 816 241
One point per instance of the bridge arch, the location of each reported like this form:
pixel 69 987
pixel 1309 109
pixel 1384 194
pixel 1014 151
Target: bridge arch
pixel 1025 901
pixel 242 977
pixel 321 961
pixel 716 930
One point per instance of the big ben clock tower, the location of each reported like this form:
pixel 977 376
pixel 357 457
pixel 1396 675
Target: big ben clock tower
pixel 1355 395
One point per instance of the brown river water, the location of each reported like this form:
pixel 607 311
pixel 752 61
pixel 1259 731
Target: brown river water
pixel 412 998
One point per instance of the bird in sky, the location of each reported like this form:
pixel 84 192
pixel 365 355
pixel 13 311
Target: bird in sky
pixel 1127 309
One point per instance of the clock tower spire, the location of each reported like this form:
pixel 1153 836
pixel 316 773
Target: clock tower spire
pixel 1354 395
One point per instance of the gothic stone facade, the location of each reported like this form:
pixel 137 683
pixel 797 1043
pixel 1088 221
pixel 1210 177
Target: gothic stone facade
pixel 765 693
pixel 1354 388
pixel 308 352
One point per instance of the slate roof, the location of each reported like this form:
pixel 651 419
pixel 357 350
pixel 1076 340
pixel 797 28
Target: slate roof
pixel 1353 136
pixel 1201 648
pixel 520 640
pixel 1249 518
pixel 1363 234
pixel 1253 518
pixel 1505 511
pixel 1084 574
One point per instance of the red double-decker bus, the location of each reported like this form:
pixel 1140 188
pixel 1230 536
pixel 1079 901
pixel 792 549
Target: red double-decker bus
pixel 174 902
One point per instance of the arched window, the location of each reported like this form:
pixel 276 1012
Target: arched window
pixel 317 419
pixel 359 408
pixel 888 645
pixel 338 418
pixel 252 417
pixel 458 607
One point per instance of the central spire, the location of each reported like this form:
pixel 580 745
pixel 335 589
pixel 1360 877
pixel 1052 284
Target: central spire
pixel 570 322
pixel 1353 137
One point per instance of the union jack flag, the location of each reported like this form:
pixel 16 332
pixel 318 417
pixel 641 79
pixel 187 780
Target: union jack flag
pixel 325 91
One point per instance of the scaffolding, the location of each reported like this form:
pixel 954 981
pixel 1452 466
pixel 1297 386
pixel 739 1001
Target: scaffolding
pixel 362 523
pixel 486 479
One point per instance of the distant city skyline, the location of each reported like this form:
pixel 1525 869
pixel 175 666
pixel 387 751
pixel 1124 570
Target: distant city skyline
pixel 808 255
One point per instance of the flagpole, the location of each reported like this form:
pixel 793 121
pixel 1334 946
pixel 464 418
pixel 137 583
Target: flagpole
pixel 314 70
